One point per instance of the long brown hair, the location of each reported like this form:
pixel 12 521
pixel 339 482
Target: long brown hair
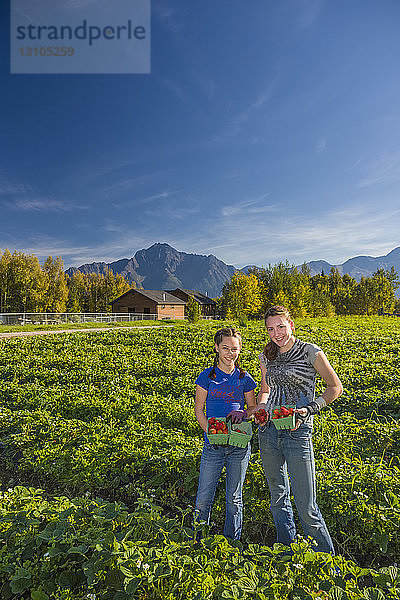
pixel 271 350
pixel 220 334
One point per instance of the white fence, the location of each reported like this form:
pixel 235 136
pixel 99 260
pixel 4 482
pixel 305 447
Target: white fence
pixel 57 318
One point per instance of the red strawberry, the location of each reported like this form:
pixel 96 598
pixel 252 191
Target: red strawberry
pixel 261 415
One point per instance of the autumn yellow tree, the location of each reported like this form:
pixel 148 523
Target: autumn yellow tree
pixel 22 283
pixel 242 295
pixel 56 295
pixel 77 292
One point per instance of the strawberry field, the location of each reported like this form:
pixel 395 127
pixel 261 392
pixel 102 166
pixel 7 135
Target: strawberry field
pixel 100 453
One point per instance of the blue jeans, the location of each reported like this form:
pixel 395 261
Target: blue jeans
pixel 287 453
pixel 213 459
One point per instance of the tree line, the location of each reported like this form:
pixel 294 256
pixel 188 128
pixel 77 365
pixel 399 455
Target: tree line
pixel 27 286
pixel 309 295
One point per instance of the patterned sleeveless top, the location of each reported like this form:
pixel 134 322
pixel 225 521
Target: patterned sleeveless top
pixel 291 376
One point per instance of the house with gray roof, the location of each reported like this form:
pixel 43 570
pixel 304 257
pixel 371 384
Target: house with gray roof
pixel 158 304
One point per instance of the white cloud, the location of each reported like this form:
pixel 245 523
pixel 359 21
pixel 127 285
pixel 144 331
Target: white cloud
pixel 173 20
pixel 9 186
pixel 300 15
pixel 309 12
pixel 43 246
pixel 12 189
pixel 236 124
pixel 245 207
pixel 246 238
pixel 321 145
pixel 381 170
pixel 176 88
pixel 44 205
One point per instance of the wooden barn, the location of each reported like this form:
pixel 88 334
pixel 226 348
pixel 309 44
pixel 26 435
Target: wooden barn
pixel 208 306
pixel 159 303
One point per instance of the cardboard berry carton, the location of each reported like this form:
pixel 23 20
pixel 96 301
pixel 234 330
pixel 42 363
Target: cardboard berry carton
pixel 217 430
pixel 284 417
pixel 241 434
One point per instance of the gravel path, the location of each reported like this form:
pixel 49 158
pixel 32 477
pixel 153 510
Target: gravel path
pixel 13 334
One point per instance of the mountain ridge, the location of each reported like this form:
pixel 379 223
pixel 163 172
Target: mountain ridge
pixel 359 266
pixel 163 267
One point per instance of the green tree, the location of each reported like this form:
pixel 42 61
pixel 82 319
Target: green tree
pixel 382 289
pixel 77 293
pixel 114 286
pixel 56 294
pixel 242 295
pixel 192 310
pixel 319 304
pixel 22 283
pixel 283 284
pixel 5 281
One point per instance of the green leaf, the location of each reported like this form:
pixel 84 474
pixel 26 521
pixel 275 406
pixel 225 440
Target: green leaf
pixel 382 540
pixel 55 551
pixel 82 549
pixel 133 585
pixel 301 594
pixel 19 586
pixel 337 593
pixel 373 594
pixel 21 573
pixel 38 595
pixel 394 573
pixel 248 584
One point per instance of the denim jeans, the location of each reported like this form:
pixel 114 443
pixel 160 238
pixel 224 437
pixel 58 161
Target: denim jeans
pixel 285 454
pixel 213 459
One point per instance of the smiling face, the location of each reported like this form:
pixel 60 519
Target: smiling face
pixel 280 330
pixel 228 351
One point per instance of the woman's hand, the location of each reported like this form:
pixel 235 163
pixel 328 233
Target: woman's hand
pixel 237 416
pixel 303 414
pixel 261 416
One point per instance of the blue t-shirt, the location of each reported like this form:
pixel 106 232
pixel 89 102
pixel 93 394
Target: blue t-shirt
pixel 226 392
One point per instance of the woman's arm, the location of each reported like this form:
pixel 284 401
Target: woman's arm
pixel 199 406
pixel 334 386
pixel 332 391
pixel 250 399
pixel 263 394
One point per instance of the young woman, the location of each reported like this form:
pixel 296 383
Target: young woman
pixel 288 372
pixel 222 391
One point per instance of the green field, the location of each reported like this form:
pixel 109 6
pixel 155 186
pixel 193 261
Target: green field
pixel 89 325
pixel 103 422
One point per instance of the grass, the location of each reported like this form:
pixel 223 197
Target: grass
pixel 91 325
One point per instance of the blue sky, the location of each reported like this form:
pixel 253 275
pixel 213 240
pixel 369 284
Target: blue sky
pixel 266 131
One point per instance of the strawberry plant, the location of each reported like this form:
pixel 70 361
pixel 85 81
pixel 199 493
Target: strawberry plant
pixel 111 414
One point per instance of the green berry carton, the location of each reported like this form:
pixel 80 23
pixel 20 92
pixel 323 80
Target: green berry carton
pixel 241 434
pixel 216 433
pixel 284 422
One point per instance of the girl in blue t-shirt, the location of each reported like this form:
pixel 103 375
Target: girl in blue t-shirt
pixel 222 390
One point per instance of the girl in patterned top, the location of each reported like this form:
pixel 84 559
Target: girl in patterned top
pixel 288 373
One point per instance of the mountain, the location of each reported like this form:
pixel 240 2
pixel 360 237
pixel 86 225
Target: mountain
pixel 359 266
pixel 162 267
